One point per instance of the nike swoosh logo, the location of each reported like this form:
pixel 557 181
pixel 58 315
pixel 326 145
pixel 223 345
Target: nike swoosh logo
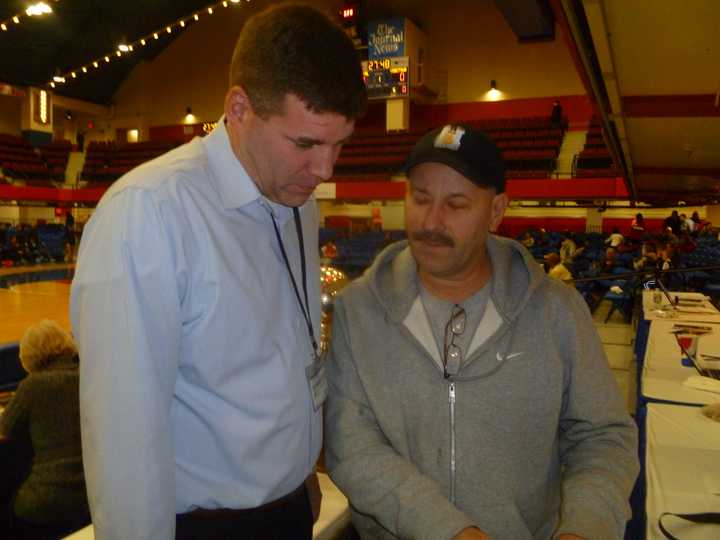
pixel 508 357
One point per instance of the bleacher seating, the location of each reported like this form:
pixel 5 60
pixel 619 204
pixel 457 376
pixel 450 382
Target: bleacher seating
pixel 356 253
pixel 19 160
pixel 56 155
pixel 108 161
pixel 529 146
pixel 594 161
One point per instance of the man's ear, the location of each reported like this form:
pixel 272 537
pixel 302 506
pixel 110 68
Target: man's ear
pixel 237 106
pixel 499 204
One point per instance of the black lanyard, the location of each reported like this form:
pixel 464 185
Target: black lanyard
pixel 305 308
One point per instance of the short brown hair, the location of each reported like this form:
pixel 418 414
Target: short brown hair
pixel 44 343
pixel 296 49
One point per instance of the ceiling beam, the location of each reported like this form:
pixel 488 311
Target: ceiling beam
pixel 571 14
pixel 671 106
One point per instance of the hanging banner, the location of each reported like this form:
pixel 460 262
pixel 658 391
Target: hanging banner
pixel 386 38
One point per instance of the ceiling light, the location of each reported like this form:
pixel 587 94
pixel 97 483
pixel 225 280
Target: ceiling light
pixel 73 75
pixel 210 10
pixel 494 94
pixel 130 47
pixel 196 17
pixel 4 27
pixel 16 19
pixel 142 42
pixel 234 1
pixel 155 35
pixel 95 64
pixel 52 84
pixel 84 69
pixel 118 53
pixel 225 4
pixel 123 48
pixel 107 58
pixel 59 79
pixel 168 29
pixel 182 23
pixel 41 8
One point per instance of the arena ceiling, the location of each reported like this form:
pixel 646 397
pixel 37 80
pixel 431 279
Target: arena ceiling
pixel 78 31
pixel 650 66
pixel 653 69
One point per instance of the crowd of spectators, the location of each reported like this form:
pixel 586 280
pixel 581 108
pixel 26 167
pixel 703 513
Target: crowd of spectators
pixel 683 243
pixel 25 244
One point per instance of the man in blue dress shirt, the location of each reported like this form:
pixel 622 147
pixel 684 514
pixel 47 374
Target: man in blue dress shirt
pixel 196 305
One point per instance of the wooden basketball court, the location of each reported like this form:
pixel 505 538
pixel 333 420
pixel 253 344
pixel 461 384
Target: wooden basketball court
pixel 23 304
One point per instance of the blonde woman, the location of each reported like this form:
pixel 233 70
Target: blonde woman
pixel 52 500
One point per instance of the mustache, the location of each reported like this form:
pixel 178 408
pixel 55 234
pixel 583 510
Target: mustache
pixel 434 237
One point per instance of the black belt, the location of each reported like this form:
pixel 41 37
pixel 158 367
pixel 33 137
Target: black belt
pixel 221 513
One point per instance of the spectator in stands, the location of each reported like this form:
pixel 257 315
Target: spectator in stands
pixel 666 256
pixel 615 239
pixel 669 237
pixel 567 249
pixel 527 240
pixel 194 338
pixel 686 224
pixel 15 251
pixel 687 244
pixel 637 226
pixel 69 237
pixel 706 229
pixel 696 219
pixel 556 269
pixel 610 260
pixel 673 221
pixel 458 315
pixel 648 256
pixel 556 118
pixel 51 502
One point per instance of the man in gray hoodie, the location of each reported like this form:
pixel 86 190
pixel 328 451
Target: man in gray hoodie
pixel 469 394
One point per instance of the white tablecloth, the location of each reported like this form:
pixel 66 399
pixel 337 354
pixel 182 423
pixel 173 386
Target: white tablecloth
pixel 682 470
pixel 334 514
pixel 704 311
pixel 663 372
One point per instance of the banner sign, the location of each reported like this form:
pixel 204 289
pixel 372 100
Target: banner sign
pixel 386 38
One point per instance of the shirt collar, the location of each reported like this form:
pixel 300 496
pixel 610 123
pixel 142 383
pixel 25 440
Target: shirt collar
pixel 234 185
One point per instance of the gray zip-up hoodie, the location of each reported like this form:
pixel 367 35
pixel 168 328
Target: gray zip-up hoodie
pixel 529 441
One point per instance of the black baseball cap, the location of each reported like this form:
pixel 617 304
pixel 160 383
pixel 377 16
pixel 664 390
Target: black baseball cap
pixel 466 149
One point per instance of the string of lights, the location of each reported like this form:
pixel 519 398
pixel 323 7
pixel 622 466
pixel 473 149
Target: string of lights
pixel 34 10
pixel 129 47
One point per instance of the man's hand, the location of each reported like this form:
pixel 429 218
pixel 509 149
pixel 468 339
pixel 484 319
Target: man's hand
pixel 312 484
pixel 570 537
pixel 471 533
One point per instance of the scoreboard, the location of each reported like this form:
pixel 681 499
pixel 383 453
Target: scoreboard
pixel 387 77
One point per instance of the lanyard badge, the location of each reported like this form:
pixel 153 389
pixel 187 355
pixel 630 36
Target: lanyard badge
pixel 315 372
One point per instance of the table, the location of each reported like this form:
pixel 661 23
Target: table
pixel 334 514
pixel 682 470
pixel 663 372
pixel 703 311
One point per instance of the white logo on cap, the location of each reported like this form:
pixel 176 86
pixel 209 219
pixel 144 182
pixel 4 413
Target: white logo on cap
pixel 450 137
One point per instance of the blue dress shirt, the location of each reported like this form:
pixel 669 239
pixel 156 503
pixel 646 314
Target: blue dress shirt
pixel 193 347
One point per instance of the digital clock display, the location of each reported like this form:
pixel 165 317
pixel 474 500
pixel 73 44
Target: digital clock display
pixel 387 77
pixel 374 65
